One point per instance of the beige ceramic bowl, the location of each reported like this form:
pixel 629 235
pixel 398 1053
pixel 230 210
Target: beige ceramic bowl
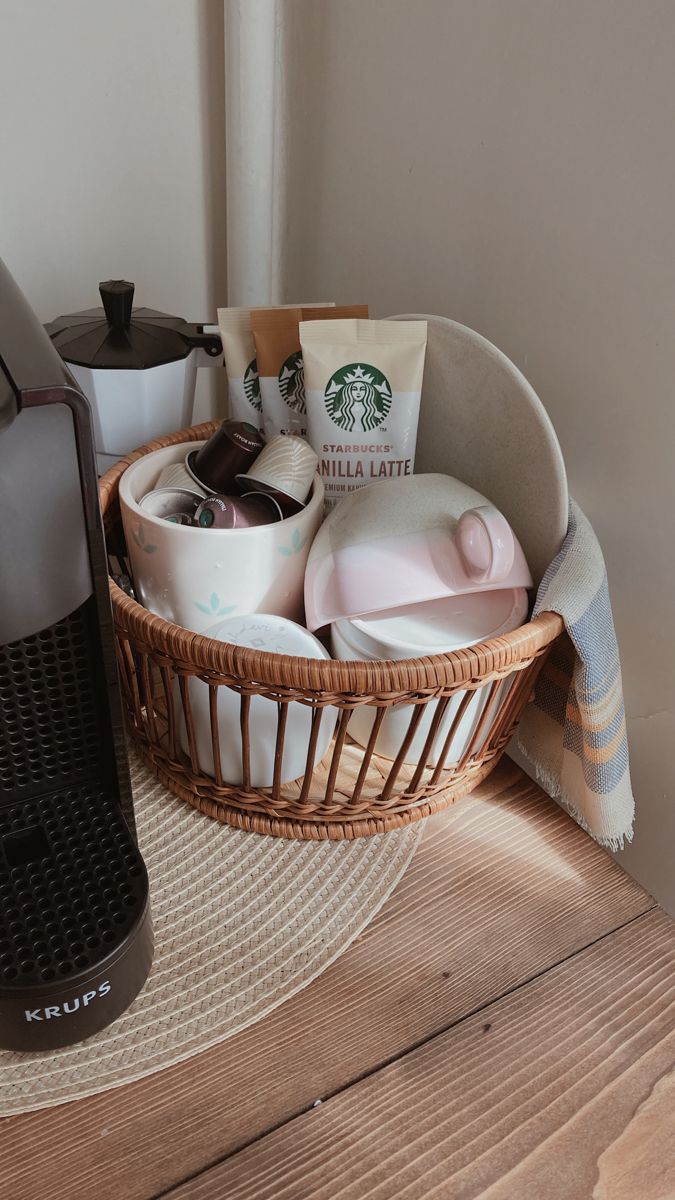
pixel 481 421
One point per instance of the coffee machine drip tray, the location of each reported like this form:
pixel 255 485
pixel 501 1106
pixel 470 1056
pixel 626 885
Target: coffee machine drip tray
pixel 73 887
pixel 68 862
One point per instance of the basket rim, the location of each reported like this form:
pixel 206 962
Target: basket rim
pixel 194 650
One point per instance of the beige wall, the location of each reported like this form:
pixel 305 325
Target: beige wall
pixel 112 153
pixel 510 163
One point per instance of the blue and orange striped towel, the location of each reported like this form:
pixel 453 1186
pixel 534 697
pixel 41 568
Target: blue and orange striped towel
pixel 573 735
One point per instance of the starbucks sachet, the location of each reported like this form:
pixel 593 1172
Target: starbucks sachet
pixel 363 382
pixel 279 360
pixel 240 363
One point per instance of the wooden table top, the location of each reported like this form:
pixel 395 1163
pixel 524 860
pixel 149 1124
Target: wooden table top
pixel 503 1029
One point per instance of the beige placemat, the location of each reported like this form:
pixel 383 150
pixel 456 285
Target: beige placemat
pixel 241 923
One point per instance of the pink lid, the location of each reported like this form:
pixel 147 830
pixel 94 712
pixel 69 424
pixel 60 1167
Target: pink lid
pixel 406 541
pixel 390 572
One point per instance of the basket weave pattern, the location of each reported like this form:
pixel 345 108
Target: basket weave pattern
pixel 352 791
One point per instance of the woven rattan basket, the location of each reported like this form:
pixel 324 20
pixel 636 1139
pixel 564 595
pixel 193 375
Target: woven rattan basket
pixel 353 791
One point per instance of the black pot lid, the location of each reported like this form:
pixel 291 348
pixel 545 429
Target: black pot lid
pixel 115 337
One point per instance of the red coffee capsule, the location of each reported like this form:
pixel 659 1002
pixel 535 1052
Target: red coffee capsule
pixel 236 512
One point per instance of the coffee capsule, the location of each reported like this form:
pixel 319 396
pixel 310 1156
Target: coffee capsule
pixel 176 475
pixel 285 468
pixel 166 502
pixel 231 450
pixel 180 518
pixel 237 512
pixel 289 507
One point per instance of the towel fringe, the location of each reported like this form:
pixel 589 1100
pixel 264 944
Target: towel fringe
pixel 550 782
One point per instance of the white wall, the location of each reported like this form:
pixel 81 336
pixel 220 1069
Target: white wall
pixel 112 153
pixel 509 163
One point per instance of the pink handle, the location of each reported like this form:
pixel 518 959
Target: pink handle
pixel 486 544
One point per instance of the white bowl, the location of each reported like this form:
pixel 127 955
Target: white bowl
pixel 278 636
pixel 482 421
pixel 436 627
pixel 192 576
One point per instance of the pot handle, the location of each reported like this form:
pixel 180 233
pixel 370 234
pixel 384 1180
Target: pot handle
pixel 117 296
pixel 202 337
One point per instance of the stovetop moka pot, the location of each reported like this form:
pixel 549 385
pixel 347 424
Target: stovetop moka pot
pixel 137 367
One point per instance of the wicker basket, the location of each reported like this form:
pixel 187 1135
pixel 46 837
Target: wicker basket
pixel 352 792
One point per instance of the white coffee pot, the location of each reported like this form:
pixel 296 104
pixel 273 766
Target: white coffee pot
pixel 137 367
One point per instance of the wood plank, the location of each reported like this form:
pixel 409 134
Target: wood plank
pixel 641 1160
pixel 503 887
pixel 546 1093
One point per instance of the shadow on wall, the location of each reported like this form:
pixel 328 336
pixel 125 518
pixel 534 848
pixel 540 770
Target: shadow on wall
pixel 211 398
pixel 212 61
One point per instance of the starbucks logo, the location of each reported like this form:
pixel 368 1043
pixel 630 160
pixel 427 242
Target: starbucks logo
pixel 358 397
pixel 292 383
pixel 252 385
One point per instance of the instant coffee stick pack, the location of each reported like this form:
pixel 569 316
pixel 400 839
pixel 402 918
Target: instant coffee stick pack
pixel 363 383
pixel 279 357
pixel 240 361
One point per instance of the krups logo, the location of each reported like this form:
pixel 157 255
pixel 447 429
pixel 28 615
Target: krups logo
pixel 68 1006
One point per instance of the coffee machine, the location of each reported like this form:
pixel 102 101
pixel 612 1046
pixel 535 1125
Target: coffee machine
pixel 75 927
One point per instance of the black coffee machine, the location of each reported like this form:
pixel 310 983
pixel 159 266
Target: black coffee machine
pixel 75 927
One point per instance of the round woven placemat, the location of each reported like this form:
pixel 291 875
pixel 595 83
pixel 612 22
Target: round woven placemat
pixel 241 923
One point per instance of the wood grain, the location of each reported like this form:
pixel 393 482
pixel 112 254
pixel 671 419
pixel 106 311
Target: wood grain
pixel 521 1100
pixel 503 887
pixel 641 1161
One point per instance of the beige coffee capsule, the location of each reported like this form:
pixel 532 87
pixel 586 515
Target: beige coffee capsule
pixel 287 466
pixel 166 502
pixel 176 475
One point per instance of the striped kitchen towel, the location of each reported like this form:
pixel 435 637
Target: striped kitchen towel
pixel 573 735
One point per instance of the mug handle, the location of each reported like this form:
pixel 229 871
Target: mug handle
pixel 485 543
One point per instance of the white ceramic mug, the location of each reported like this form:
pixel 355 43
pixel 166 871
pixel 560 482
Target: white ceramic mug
pixel 193 576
